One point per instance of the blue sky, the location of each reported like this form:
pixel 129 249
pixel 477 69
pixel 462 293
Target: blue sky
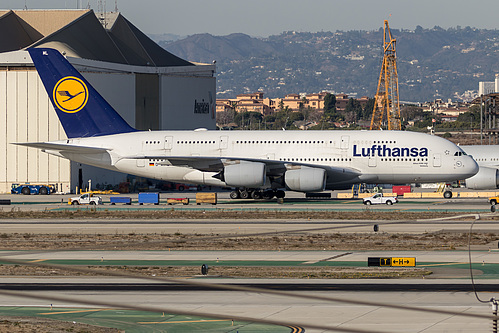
pixel 270 17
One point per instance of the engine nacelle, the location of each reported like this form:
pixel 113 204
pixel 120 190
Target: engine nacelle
pixel 306 179
pixel 245 174
pixel 485 179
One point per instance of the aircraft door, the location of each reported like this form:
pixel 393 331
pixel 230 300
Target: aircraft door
pixel 437 162
pixel 223 143
pixel 345 139
pixel 168 142
pixel 372 161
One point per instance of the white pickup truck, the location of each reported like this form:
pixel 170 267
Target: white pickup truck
pixel 85 199
pixel 378 198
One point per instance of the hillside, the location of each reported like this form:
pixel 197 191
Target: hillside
pixel 432 63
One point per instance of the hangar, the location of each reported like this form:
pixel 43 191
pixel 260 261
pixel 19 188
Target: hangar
pixel 151 88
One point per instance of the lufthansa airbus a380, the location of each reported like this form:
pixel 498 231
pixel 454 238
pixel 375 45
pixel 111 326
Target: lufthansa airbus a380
pixel 487 158
pixel 256 163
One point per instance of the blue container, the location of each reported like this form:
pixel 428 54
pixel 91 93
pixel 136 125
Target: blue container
pixel 122 200
pixel 152 198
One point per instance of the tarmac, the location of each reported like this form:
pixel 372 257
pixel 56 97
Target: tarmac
pixel 448 289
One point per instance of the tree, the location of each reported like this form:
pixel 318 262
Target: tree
pixel 412 112
pixel 248 119
pixel 353 110
pixel 281 105
pixel 329 103
pixel 367 111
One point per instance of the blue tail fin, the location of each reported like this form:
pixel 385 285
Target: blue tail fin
pixel 83 112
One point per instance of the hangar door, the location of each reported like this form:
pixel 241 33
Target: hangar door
pixel 147 102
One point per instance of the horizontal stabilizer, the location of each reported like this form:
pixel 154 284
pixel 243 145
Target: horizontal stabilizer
pixel 63 147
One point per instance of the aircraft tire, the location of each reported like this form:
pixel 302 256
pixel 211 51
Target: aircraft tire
pixel 257 195
pixel 244 194
pixel 267 195
pixel 234 195
pixel 280 194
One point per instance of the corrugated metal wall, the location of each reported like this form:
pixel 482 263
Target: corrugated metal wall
pixel 27 116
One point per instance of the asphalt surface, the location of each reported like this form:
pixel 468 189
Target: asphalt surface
pixel 449 289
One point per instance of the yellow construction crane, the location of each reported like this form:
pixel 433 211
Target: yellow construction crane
pixel 386 102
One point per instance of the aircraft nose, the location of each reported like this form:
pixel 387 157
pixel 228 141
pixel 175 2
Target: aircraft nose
pixel 470 167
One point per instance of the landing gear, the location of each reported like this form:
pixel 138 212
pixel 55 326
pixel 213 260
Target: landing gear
pixel 256 194
pixel 244 194
pixel 267 195
pixel 280 194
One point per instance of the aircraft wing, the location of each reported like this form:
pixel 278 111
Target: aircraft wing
pixel 274 168
pixel 63 147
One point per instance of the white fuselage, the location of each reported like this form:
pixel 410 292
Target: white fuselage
pixel 484 155
pixel 377 156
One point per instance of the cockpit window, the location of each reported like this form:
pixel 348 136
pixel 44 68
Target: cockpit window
pixel 459 153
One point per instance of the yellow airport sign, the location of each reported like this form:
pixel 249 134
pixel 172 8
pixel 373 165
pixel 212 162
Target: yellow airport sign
pixel 403 262
pixel 391 262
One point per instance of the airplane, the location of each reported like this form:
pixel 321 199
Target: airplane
pixel 257 164
pixel 487 158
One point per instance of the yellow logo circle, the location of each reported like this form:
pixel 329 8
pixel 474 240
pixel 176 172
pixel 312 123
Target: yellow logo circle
pixel 70 94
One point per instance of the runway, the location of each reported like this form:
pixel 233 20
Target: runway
pixel 449 288
pixel 306 311
pixel 239 227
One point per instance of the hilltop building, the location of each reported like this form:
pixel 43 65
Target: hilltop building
pixel 256 103
pixel 485 88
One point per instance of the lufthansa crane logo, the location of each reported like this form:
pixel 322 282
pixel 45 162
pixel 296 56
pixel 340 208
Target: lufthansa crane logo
pixel 70 94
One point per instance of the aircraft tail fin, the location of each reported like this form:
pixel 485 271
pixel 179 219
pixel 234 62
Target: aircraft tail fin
pixel 82 111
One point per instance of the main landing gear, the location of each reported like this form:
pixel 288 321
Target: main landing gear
pixel 256 194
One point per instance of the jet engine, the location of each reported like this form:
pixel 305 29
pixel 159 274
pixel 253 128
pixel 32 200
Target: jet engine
pixel 306 179
pixel 245 174
pixel 485 179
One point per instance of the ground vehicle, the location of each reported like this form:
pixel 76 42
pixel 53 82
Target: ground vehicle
pixel 174 201
pixel 208 198
pixel 85 199
pixel 152 198
pixel 123 200
pixel 378 198
pixel 494 200
pixel 27 188
pixel 186 187
pixel 401 189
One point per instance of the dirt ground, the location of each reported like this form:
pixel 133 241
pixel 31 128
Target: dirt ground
pixel 266 242
pixel 42 325
pixel 90 213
